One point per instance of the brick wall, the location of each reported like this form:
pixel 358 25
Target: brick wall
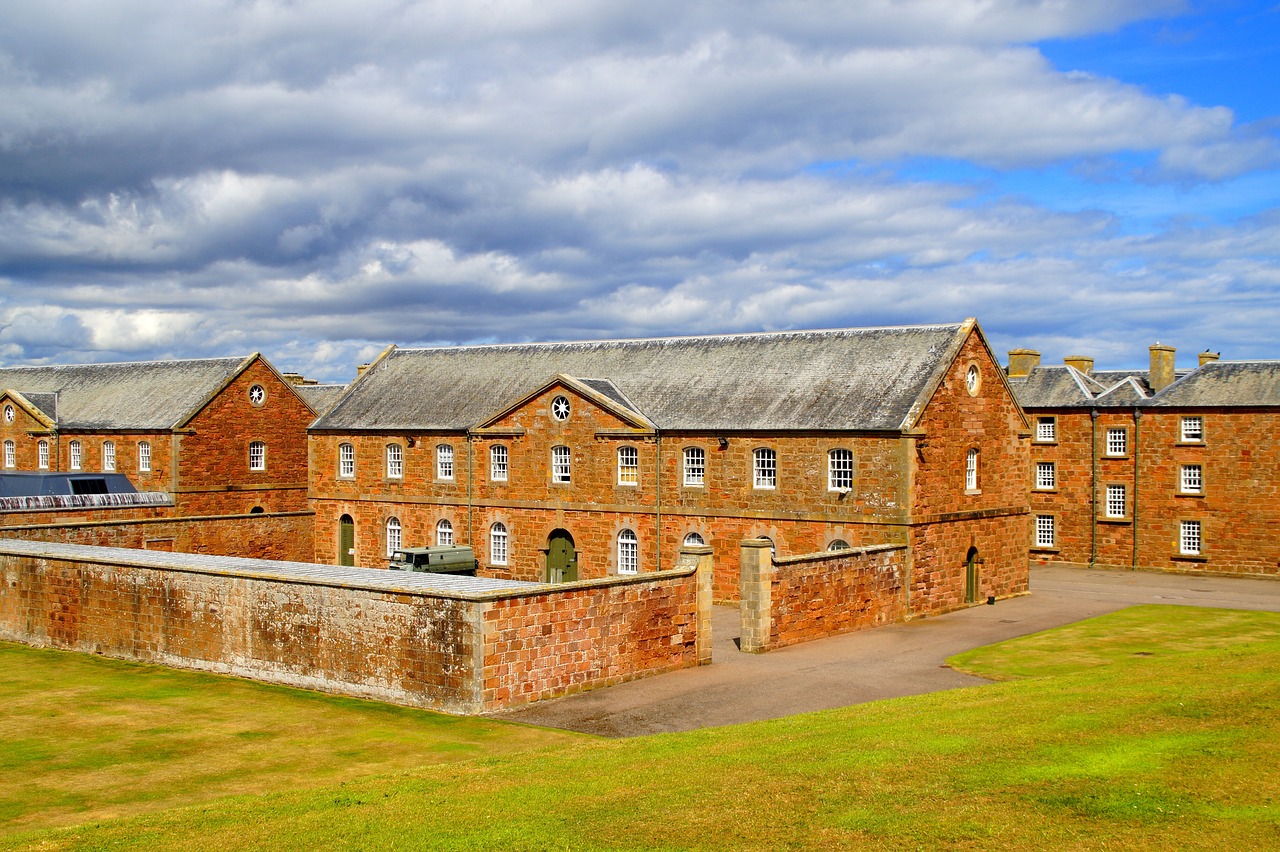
pixel 1237 506
pixel 949 519
pixel 213 475
pixel 802 598
pixel 285 536
pixel 455 644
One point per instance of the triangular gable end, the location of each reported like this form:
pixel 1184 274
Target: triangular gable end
pixel 580 387
pixel 248 362
pixel 34 411
pixel 968 327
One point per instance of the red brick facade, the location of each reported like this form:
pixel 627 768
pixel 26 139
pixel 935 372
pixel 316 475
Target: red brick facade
pixel 908 488
pixel 203 462
pixel 1236 506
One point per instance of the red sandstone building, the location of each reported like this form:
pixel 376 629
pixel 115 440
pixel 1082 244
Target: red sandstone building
pixel 221 435
pixel 586 460
pixel 1156 470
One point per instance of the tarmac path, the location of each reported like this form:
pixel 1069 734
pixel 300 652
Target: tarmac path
pixel 900 659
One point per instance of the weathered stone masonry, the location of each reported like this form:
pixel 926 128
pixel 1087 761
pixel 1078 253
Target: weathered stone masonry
pixel 461 645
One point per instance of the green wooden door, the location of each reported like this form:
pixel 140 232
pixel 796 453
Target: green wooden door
pixel 346 541
pixel 971 576
pixel 562 559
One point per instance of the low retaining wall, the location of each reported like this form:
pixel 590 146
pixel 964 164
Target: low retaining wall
pixel 801 598
pixel 284 536
pixel 457 644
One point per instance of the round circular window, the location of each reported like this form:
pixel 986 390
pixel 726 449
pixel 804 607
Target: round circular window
pixel 560 408
pixel 257 394
pixel 8 414
pixel 972 380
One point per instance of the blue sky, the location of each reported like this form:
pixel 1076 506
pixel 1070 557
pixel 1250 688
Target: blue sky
pixel 315 180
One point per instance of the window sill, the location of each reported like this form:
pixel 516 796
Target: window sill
pixel 1052 443
pixel 1190 557
pixel 972 492
pixel 1109 457
pixel 1198 495
pixel 1044 490
pixel 1189 444
pixel 1121 521
pixel 1044 549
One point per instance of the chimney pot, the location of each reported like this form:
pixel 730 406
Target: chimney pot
pixel 1207 356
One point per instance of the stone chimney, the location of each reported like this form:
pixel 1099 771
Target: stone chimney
pixel 1207 356
pixel 1023 361
pixel 1161 375
pixel 360 371
pixel 297 380
pixel 1083 363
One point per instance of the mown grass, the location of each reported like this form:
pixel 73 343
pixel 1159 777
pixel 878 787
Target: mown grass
pixel 1164 733
pixel 85 738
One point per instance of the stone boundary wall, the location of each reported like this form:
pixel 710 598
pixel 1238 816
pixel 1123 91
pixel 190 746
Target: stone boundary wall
pixel 432 641
pixel 801 598
pixel 283 536
pixel 597 633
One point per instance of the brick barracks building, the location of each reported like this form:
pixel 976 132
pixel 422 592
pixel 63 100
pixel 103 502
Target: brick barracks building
pixel 588 460
pixel 1157 470
pixel 221 435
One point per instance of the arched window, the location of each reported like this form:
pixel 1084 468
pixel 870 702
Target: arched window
pixel 765 468
pixel 971 470
pixel 76 455
pixel 628 553
pixel 108 455
pixel 498 463
pixel 561 465
pixel 498 544
pixel 346 461
pixel 393 535
pixel 838 544
pixel 693 539
pixel 840 470
pixel 695 466
pixel 395 461
pixel 444 532
pixel 10 454
pixel 444 462
pixel 628 466
pixel 42 450
pixel 257 455
pixel 144 456
pixel 772 548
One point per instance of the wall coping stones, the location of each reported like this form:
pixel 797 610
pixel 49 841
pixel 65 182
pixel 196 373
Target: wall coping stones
pixel 478 589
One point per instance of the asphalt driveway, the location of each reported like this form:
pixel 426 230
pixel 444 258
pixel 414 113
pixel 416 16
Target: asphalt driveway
pixel 902 659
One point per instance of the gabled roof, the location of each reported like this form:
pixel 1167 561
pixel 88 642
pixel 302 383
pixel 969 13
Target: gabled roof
pixel 603 393
pixel 320 398
pixel 148 395
pixel 1225 384
pixel 1214 384
pixel 838 379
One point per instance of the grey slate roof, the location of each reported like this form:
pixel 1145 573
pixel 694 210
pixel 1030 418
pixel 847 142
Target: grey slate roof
pixel 1225 384
pixel 320 398
pixel 840 379
pixel 150 395
pixel 1212 385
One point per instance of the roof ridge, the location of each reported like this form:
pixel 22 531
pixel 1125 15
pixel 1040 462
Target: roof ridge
pixel 684 337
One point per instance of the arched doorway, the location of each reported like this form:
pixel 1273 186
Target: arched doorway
pixel 971 576
pixel 346 541
pixel 562 559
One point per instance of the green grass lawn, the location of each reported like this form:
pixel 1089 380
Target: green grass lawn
pixel 1155 727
